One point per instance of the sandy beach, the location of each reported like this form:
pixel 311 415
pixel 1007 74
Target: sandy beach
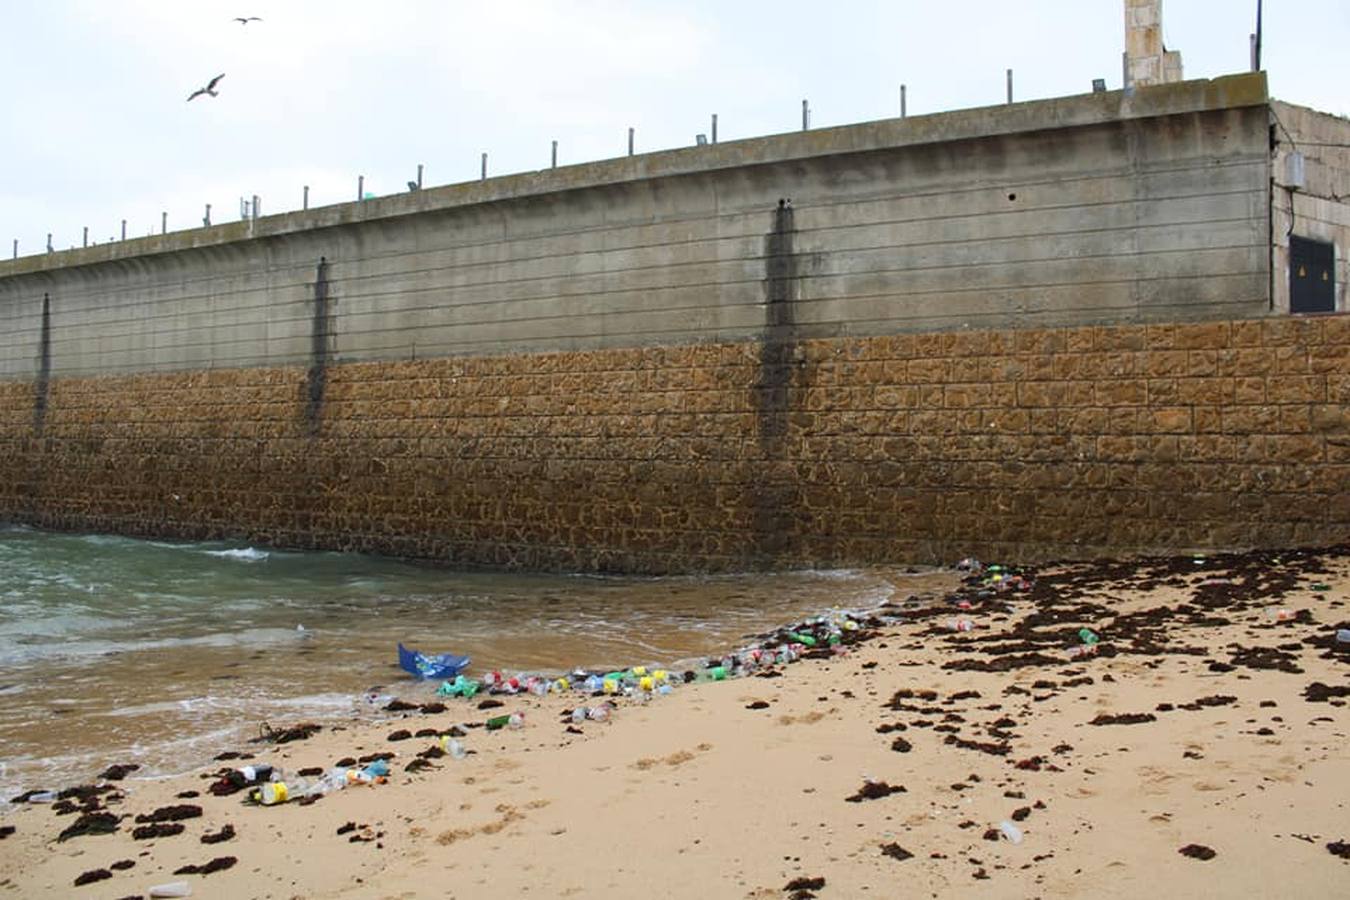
pixel 913 759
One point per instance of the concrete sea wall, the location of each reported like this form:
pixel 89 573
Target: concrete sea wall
pixel 1039 329
pixel 827 452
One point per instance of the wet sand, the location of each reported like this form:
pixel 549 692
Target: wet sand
pixel 1201 749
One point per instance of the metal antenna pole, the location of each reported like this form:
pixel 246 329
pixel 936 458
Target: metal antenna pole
pixel 1258 35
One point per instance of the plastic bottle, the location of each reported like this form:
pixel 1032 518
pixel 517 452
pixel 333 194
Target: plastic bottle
pixel 579 715
pixel 335 779
pixel 453 747
pixel 171 889
pixel 514 720
pixel 43 797
pixel 1010 831
pixel 1343 635
pixel 1087 636
pixel 960 625
pixel 272 793
pixel 1280 615
pixel 598 713
pixel 717 673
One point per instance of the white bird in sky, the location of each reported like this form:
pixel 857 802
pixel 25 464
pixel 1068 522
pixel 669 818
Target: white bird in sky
pixel 244 20
pixel 209 90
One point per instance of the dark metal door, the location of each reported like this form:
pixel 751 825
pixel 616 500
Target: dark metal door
pixel 1312 276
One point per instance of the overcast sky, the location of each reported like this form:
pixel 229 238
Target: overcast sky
pixel 95 127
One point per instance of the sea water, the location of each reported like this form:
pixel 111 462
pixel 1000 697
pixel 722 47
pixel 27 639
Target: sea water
pixel 116 650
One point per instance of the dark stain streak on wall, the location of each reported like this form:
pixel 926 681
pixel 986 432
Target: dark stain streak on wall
pixel 772 494
pixel 42 385
pixel 321 336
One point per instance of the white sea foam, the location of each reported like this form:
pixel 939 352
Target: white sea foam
pixel 246 554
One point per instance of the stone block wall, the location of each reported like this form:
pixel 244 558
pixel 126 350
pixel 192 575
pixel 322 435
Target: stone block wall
pixel 1014 445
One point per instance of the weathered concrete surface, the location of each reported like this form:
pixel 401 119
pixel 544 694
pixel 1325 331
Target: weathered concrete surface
pixel 1147 61
pixel 1148 206
pixel 1320 207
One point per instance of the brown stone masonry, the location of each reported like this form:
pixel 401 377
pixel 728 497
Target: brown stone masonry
pixel 920 447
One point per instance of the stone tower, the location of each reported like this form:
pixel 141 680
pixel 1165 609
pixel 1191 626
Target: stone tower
pixel 1146 60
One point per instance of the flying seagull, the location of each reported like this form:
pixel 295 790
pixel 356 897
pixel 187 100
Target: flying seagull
pixel 244 20
pixel 209 90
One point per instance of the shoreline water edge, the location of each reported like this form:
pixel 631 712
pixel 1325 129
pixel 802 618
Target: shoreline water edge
pixel 1082 729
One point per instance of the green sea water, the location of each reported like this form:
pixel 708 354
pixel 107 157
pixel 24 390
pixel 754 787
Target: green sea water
pixel 114 650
